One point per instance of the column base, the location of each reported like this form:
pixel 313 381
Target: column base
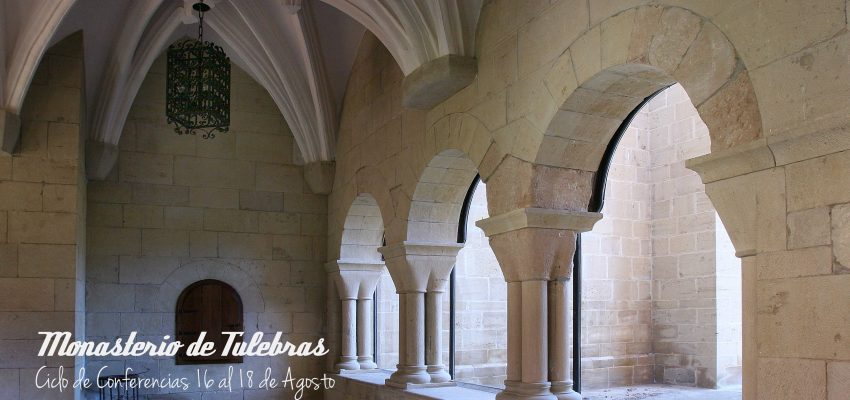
pixel 526 391
pixel 366 362
pixel 563 390
pixel 438 374
pixel 347 363
pixel 408 374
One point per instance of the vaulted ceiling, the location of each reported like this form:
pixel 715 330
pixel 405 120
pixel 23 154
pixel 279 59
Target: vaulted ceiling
pixel 301 51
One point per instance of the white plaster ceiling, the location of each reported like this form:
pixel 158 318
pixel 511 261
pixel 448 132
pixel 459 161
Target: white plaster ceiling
pixel 301 51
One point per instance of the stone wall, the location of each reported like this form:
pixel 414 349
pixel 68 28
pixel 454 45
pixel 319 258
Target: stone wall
pixel 178 209
pixel 683 245
pixel 777 150
pixel 42 214
pixel 480 305
pixel 617 271
pixel 386 320
pixel 654 264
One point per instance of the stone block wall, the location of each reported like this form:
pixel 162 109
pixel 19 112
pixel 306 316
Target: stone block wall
pixel 684 246
pixel 762 191
pixel 655 264
pixel 177 209
pixel 42 214
pixel 386 320
pixel 480 305
pixel 617 271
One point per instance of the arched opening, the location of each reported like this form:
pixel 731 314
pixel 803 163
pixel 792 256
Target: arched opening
pixel 208 307
pixel 478 301
pixel 362 235
pixel 660 295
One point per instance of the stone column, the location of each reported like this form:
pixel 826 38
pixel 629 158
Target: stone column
pixel 348 346
pixel 417 269
pixel 535 249
pixel 749 325
pixel 370 275
pixel 334 335
pixel 434 337
pixel 355 281
pixel 560 368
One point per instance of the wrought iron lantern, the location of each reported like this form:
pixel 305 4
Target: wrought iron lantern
pixel 198 84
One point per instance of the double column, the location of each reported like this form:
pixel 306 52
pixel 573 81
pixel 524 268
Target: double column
pixel 535 250
pixel 355 283
pixel 420 272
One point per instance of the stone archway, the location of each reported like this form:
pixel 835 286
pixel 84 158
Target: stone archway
pixel 653 47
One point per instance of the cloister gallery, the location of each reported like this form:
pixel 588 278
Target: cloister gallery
pixel 424 199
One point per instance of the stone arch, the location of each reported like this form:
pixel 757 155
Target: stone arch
pixel 363 230
pixel 614 65
pixel 437 201
pixel 33 41
pixel 460 143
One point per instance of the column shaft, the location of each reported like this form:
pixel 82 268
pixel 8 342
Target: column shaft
pixel 514 368
pixel 535 357
pixel 434 337
pixel 411 368
pixel 348 346
pixel 365 331
pixel 559 340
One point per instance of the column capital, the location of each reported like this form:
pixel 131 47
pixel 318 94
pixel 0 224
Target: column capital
pixel 749 194
pixel 10 131
pixel 355 279
pixel 536 243
pixel 521 218
pixel 420 266
pixel 319 176
pixel 100 159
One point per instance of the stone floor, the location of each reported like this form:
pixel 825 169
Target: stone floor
pixel 663 392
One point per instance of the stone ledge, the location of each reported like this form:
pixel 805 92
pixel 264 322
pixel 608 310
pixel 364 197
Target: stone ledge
pixel 437 80
pixel 798 145
pixel 739 160
pixel 354 265
pixel 371 385
pixel 578 221
pixel 774 151
pixel 420 249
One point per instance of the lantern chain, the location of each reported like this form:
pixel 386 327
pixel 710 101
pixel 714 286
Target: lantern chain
pixel 201 23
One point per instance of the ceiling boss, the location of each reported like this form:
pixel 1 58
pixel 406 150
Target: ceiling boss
pixel 198 84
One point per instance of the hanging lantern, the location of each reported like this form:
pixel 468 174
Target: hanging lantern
pixel 198 85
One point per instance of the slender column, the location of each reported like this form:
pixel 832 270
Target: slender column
pixel 534 247
pixel 365 330
pixel 369 275
pixel 333 305
pixel 417 269
pixel 535 332
pixel 348 355
pixel 355 283
pixel 411 367
pixel 514 368
pixel 434 337
pixel 559 340
pixel 402 331
pixel 749 280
